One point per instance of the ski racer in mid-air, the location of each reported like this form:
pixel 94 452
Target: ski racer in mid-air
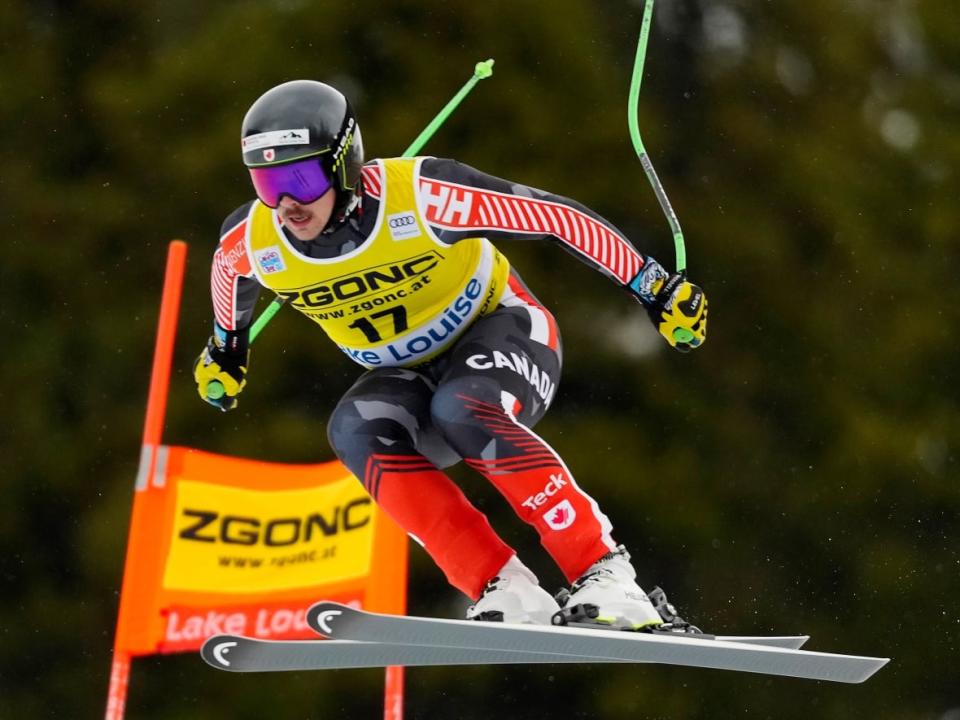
pixel 394 260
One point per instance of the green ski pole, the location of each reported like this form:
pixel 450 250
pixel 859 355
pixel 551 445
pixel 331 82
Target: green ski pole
pixel 680 334
pixel 481 71
pixel 632 111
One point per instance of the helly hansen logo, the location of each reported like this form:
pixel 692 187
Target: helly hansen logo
pixel 447 204
pixel 556 482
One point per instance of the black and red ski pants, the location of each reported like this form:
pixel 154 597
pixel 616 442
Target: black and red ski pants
pixel 396 427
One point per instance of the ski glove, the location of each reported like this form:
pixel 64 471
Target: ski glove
pixel 677 308
pixel 221 369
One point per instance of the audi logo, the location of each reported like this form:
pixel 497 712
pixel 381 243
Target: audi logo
pixel 402 221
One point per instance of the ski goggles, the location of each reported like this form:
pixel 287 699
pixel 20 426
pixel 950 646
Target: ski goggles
pixel 304 181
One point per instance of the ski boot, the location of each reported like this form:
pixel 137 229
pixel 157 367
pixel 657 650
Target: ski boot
pixel 607 595
pixel 514 596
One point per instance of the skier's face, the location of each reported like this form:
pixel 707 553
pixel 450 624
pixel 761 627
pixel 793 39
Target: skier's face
pixel 306 221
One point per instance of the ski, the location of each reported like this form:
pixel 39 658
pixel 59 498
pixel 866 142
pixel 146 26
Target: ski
pixel 341 622
pixel 236 653
pixel 243 654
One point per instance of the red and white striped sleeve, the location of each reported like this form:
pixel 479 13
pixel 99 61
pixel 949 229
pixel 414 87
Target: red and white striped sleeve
pixel 459 202
pixel 233 291
pixel 372 183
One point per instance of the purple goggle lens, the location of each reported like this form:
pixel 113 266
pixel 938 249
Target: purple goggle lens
pixel 304 181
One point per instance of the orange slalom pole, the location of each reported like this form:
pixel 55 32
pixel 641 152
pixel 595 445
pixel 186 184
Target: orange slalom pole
pixel 152 436
pixel 393 693
pixel 166 334
pixel 393 686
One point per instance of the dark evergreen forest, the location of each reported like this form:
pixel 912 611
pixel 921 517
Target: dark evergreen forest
pixel 797 474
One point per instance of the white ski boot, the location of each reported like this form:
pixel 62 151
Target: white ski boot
pixel 607 594
pixel 514 596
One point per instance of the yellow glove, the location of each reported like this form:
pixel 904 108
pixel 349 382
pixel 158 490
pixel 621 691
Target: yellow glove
pixel 677 308
pixel 220 375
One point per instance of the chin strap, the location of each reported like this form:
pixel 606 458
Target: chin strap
pixel 344 212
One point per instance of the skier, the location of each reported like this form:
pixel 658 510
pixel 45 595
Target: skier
pixel 393 260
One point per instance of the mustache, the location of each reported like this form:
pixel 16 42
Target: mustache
pixel 286 212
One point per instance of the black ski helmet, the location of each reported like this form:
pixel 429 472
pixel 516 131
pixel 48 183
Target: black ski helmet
pixel 301 119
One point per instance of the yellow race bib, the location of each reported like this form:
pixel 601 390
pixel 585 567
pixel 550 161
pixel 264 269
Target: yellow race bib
pixel 400 298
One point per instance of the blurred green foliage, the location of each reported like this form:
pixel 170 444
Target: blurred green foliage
pixel 797 474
